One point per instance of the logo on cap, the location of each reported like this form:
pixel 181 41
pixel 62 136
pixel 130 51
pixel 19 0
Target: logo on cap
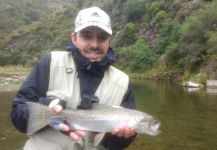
pixel 95 14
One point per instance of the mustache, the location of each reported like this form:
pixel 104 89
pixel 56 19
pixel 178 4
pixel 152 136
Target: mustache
pixel 95 49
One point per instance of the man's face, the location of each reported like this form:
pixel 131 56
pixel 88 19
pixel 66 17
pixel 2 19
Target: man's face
pixel 93 43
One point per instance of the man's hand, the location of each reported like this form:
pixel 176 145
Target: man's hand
pixel 64 128
pixel 124 131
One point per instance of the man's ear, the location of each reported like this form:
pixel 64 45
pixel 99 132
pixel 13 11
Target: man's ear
pixel 73 38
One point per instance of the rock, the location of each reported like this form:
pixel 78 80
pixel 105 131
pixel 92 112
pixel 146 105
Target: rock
pixel 211 83
pixel 192 84
pixel 211 90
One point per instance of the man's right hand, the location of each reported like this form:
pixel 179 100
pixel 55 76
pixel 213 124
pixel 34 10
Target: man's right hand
pixel 64 128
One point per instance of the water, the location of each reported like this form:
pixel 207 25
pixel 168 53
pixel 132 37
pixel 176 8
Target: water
pixel 10 138
pixel 188 119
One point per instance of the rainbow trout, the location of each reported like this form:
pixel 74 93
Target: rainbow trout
pixel 101 118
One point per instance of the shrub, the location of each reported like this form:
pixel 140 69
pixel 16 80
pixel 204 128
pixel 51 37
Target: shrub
pixel 137 56
pixel 160 16
pixel 129 33
pixel 135 9
pixel 198 36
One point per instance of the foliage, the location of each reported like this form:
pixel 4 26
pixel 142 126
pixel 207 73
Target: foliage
pixel 127 35
pixel 169 34
pixel 198 78
pixel 160 15
pixel 153 8
pixel 140 55
pixel 134 9
pixel 15 57
pixel 16 14
pixel 211 42
pixel 183 33
pixel 198 36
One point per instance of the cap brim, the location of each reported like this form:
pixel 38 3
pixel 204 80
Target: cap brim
pixel 95 24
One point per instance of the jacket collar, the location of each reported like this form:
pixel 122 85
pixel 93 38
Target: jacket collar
pixel 84 64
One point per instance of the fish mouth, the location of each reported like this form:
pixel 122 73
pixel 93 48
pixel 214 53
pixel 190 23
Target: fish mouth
pixel 154 127
pixel 149 126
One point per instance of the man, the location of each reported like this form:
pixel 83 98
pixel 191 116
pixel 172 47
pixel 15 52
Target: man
pixel 83 73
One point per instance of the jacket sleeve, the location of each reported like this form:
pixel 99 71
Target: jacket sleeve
pixel 113 142
pixel 33 90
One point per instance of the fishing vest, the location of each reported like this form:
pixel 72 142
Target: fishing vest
pixel 64 80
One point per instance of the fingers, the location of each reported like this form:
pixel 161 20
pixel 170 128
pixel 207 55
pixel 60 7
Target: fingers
pixel 76 135
pixel 81 133
pixel 58 108
pixel 63 127
pixel 124 131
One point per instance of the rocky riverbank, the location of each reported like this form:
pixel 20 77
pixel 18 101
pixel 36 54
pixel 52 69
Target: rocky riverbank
pixel 11 83
pixel 12 79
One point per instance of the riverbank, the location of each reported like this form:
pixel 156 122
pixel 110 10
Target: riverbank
pixel 11 77
pixel 11 82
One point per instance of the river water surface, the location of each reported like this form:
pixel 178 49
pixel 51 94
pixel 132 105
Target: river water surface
pixel 188 119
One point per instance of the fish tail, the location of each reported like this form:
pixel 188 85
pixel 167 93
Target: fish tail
pixel 36 121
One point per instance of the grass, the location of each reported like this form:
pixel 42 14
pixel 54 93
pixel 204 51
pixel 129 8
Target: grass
pixel 11 70
pixel 10 86
pixel 158 73
pixel 11 76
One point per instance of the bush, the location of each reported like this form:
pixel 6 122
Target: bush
pixel 199 37
pixel 135 9
pixel 160 16
pixel 212 42
pixel 128 35
pixel 3 59
pixel 160 45
pixel 137 56
pixel 169 33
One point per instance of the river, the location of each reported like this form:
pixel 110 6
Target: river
pixel 188 119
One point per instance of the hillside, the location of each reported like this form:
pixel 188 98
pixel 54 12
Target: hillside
pixel 159 39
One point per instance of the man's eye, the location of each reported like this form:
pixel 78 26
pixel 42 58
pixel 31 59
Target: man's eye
pixel 103 37
pixel 86 35
pixel 100 37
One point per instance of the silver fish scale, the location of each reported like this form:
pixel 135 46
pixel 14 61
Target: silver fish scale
pixel 102 120
pixel 99 119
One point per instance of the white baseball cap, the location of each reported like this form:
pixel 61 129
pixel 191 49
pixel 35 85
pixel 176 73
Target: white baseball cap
pixel 93 16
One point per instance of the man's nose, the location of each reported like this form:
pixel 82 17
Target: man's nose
pixel 94 42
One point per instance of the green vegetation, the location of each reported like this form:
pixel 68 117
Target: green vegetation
pixel 137 55
pixel 13 76
pixel 155 39
pixel 14 70
pixel 134 9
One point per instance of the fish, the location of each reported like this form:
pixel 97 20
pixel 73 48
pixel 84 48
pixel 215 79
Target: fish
pixel 101 118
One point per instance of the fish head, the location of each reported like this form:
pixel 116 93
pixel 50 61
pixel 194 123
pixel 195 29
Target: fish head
pixel 148 126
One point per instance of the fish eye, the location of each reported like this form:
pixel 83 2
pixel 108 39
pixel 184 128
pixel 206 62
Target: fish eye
pixel 155 122
pixel 155 125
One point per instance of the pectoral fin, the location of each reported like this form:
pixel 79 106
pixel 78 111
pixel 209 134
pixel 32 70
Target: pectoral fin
pixel 98 138
pixel 80 142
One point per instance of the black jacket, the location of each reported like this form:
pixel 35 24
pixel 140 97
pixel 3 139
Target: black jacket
pixel 90 74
